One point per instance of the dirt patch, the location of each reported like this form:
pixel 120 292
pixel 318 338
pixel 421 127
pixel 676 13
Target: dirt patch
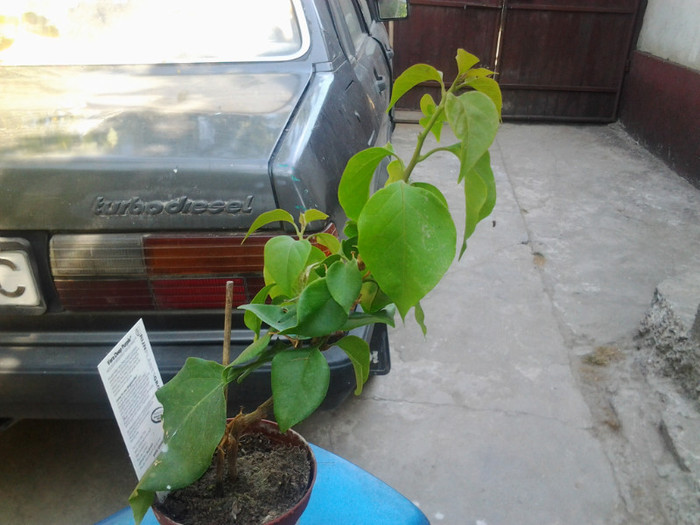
pixel 272 478
pixel 603 356
pixel 539 259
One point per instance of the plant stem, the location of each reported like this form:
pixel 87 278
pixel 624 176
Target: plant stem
pixel 226 355
pixel 415 159
pixel 234 429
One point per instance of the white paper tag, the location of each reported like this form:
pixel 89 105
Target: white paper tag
pixel 131 377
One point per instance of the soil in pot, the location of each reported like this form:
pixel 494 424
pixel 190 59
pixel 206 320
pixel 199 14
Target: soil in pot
pixel 272 478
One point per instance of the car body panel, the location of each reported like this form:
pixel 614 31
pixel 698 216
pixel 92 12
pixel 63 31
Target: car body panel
pixel 128 140
pixel 98 152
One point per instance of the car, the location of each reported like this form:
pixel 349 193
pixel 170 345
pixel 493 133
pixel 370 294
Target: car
pixel 138 143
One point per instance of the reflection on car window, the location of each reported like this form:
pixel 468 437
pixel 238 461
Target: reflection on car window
pixel 36 32
pixel 352 20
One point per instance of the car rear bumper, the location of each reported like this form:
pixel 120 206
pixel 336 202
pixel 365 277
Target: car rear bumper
pixel 38 380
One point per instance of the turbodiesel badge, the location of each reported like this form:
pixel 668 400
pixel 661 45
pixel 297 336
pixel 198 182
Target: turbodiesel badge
pixel 104 207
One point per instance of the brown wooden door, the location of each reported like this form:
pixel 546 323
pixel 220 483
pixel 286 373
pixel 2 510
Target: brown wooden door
pixel 556 59
pixel 435 29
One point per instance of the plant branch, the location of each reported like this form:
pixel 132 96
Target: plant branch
pixel 235 428
pixel 416 158
pixel 433 151
pixel 423 135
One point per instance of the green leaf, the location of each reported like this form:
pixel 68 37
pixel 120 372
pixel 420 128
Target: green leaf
pixel 251 320
pixel 485 172
pixel 395 169
pixel 490 88
pixel 253 350
pixel 432 189
pixel 316 256
pixel 285 260
pixel 455 149
pixel 314 215
pixel 322 269
pixel 411 77
pixel 479 195
pixel 357 319
pixel 318 314
pixel 465 61
pixel 269 217
pixel 239 374
pixel 194 419
pixel 428 107
pixel 420 318
pixel 350 229
pixel 349 247
pixel 479 73
pixel 279 317
pixel 300 381
pixel 194 411
pixel 475 193
pixel 474 120
pixel 372 298
pixel 358 351
pixel 140 501
pixel 314 265
pixel 329 241
pixel 354 188
pixel 407 240
pixel 344 280
pixel 310 216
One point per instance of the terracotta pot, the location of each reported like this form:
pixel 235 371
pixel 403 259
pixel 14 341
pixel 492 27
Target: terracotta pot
pixel 271 431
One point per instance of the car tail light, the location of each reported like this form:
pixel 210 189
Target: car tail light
pixel 156 271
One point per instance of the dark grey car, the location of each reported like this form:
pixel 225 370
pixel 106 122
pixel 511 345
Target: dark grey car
pixel 138 141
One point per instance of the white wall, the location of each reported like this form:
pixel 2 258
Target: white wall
pixel 671 31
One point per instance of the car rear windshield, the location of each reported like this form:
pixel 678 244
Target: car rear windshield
pixel 91 32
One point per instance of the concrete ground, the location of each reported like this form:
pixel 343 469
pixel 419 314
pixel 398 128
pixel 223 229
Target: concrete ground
pixel 527 402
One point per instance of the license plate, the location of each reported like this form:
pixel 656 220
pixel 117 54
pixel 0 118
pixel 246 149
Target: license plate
pixel 18 284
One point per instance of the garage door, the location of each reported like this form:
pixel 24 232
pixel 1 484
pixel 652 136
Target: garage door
pixel 556 60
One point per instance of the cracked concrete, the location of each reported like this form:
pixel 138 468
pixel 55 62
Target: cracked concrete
pixel 528 402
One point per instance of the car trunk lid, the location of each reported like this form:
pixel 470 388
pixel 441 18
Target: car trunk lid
pixel 126 148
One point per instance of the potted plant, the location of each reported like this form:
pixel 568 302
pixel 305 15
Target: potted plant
pixel 398 243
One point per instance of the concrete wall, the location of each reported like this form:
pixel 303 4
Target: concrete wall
pixel 671 31
pixel 660 104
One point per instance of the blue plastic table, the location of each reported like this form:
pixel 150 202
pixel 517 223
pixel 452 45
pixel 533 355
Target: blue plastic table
pixel 343 494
